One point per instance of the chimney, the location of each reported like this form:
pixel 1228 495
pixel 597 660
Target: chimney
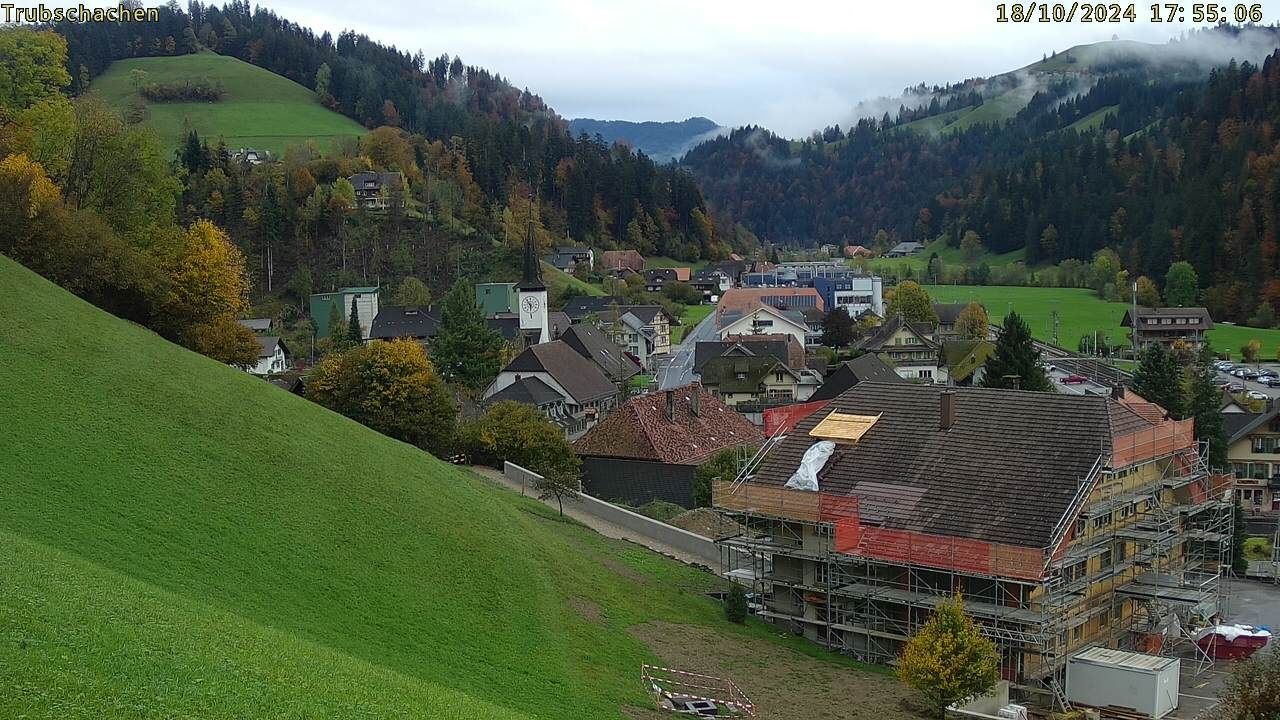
pixel 1117 392
pixel 946 409
pixel 671 405
pixel 694 400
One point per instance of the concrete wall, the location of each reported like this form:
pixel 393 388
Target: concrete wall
pixel 637 482
pixel 682 540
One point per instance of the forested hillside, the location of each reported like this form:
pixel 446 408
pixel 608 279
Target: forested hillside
pixel 661 141
pixel 1161 166
pixel 473 149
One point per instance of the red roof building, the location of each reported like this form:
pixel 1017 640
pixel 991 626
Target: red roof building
pixel 649 448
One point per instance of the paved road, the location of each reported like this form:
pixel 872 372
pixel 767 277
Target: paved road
pixel 678 369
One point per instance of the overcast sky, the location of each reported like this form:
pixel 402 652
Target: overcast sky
pixel 790 66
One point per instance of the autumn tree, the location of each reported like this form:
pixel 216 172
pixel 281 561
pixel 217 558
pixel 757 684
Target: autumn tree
pixel 912 302
pixel 1015 363
pixel 1148 293
pixel 1181 285
pixel 207 278
pixel 225 340
pixel 412 292
pixel 465 348
pixel 513 432
pixel 390 387
pixel 1249 351
pixel 34 63
pixel 949 659
pixel 971 245
pixel 972 322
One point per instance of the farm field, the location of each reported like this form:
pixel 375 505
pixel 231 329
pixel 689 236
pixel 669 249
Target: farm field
pixel 261 110
pixel 181 539
pixel 950 257
pixel 1081 312
pixel 693 314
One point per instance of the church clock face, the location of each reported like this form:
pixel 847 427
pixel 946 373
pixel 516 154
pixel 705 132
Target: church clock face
pixel 529 304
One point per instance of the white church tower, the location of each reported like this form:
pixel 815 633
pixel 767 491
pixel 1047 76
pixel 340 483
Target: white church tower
pixel 532 300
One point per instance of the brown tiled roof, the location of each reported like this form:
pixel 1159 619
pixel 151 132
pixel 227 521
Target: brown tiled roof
pixel 622 258
pixel 795 351
pixel 641 430
pixel 580 377
pixel 744 300
pixel 1006 471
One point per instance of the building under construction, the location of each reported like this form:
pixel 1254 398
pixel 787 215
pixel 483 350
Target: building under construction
pixel 1065 521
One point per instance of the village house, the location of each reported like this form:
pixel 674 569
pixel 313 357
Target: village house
pixel 758 380
pixel 657 278
pixel 588 395
pixel 591 342
pixel 274 356
pixel 864 368
pixel 650 447
pixel 618 259
pixel 905 249
pixel 378 190
pixel 857 251
pixel 763 320
pixel 1067 522
pixel 260 326
pixel 966 360
pixel 1253 451
pixel 948 314
pixel 570 258
pixel 711 283
pixel 414 323
pixel 910 347
pixel 644 331
pixel 779 345
pixel 1167 326
pixel 324 305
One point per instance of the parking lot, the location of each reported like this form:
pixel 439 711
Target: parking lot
pixel 1262 390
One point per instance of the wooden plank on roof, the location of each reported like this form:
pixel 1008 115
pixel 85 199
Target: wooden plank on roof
pixel 844 427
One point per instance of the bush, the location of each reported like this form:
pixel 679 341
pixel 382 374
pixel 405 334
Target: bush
pixel 735 605
pixel 202 90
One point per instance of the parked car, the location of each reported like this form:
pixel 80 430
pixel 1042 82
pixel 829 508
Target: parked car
pixel 1249 374
pixel 1074 379
pixel 1255 395
pixel 1221 384
pixel 1267 372
pixel 1235 388
pixel 1270 381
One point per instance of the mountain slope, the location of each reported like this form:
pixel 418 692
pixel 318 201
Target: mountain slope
pixel 661 141
pixel 260 110
pixel 182 539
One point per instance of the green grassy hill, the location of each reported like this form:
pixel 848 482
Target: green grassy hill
pixel 1081 312
pixel 180 539
pixel 261 109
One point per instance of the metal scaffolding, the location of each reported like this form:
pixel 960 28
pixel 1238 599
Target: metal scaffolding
pixel 865 590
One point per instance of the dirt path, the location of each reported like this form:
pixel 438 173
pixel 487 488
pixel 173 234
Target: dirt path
pixel 577 512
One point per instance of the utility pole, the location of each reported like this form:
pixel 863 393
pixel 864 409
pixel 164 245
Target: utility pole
pixel 1133 331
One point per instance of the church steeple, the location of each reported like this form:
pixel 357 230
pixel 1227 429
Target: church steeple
pixel 535 321
pixel 532 279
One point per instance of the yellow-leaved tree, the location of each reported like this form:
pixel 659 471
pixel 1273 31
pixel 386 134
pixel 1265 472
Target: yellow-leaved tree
pixel 391 387
pixel 949 659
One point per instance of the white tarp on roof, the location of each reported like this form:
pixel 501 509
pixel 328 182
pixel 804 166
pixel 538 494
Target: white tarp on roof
pixel 806 476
